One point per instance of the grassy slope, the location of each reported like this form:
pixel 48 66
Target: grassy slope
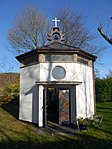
pixel 16 134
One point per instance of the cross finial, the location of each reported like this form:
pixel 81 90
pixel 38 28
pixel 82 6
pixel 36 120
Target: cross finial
pixel 56 22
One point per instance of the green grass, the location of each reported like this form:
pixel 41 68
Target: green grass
pixel 16 134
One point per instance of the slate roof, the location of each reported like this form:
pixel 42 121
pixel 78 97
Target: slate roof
pixel 56 47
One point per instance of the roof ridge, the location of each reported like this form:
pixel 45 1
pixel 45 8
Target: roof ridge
pixel 57 42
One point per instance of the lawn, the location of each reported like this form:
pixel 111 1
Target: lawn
pixel 15 134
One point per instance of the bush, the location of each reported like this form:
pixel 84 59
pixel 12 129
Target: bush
pixel 10 92
pixel 103 89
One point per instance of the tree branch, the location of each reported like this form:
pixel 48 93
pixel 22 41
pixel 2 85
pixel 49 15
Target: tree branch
pixel 104 36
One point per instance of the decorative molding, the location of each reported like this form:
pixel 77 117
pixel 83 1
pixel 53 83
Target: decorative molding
pixel 58 83
pixel 56 35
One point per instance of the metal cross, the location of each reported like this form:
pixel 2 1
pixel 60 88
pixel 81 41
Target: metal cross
pixel 56 22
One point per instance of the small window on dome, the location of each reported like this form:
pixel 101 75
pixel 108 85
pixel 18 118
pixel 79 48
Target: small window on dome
pixel 59 58
pixel 81 60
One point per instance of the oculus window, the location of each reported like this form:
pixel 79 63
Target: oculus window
pixel 58 72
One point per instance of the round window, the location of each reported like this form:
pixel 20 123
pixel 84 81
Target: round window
pixel 58 72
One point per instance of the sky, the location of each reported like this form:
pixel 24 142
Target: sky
pixel 92 10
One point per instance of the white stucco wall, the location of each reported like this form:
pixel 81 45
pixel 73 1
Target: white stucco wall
pixel 84 93
pixel 72 71
pixel 28 106
pixel 30 93
pixel 79 73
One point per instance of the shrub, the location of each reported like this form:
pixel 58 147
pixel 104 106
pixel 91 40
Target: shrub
pixel 103 89
pixel 10 92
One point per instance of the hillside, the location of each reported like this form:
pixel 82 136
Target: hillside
pixel 8 78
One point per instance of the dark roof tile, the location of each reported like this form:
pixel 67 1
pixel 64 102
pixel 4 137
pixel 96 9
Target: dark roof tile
pixel 58 46
pixel 55 46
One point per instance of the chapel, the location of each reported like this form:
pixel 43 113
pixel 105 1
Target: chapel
pixel 56 82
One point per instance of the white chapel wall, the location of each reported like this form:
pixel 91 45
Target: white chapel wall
pixel 29 93
pixel 72 71
pixel 79 73
pixel 84 104
pixel 85 94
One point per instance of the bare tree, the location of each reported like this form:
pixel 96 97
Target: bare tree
pixel 30 27
pixel 97 73
pixel 6 65
pixel 108 37
pixel 109 74
pixel 28 31
pixel 76 33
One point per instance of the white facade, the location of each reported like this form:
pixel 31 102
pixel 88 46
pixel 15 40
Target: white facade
pixel 31 94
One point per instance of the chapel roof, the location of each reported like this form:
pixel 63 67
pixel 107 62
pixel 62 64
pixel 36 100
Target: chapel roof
pixel 55 47
pixel 58 46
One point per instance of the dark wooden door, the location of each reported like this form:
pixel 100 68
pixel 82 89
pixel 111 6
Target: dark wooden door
pixel 64 107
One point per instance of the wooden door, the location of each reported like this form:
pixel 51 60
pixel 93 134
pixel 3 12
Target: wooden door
pixel 64 107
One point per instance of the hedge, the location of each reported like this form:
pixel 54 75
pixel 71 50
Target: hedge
pixel 103 89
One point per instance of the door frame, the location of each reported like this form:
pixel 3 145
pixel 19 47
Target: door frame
pixel 45 121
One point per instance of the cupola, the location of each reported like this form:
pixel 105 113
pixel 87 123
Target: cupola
pixel 56 34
